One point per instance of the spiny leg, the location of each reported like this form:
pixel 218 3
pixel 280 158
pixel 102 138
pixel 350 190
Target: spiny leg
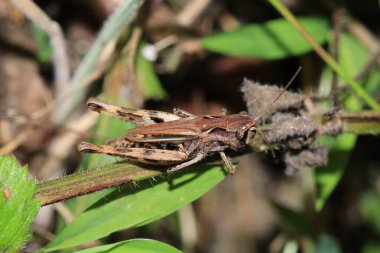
pixel 200 156
pixel 228 163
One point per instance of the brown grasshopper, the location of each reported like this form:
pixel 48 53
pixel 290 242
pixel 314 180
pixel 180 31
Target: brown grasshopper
pixel 179 139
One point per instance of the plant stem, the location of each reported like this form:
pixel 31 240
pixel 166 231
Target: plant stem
pixel 327 58
pixel 78 184
pixel 364 122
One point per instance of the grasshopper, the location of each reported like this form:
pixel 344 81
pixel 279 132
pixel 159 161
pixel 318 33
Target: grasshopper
pixel 178 139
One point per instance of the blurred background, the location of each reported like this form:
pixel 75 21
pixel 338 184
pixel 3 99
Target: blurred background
pixel 194 55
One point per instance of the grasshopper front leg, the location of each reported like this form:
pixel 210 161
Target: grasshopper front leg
pixel 228 163
pixel 140 155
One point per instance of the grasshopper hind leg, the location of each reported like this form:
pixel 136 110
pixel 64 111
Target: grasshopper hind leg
pixel 140 117
pixel 140 155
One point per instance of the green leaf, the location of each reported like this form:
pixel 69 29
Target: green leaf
pixel 148 80
pixel 327 177
pixel 369 207
pixel 17 206
pixel 132 207
pixel 134 246
pixel 275 39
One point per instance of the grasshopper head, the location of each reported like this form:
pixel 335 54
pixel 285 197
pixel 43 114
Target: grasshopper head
pixel 243 126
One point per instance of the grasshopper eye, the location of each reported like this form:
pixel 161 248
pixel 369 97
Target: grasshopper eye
pixel 241 132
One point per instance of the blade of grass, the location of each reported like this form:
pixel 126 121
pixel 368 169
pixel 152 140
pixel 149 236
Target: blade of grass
pixel 327 58
pixel 134 246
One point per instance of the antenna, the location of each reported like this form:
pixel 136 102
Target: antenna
pixel 279 95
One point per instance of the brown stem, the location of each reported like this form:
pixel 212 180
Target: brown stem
pixel 78 184
pixel 364 122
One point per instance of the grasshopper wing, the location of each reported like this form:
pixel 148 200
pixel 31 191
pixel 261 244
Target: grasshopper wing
pixel 176 131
